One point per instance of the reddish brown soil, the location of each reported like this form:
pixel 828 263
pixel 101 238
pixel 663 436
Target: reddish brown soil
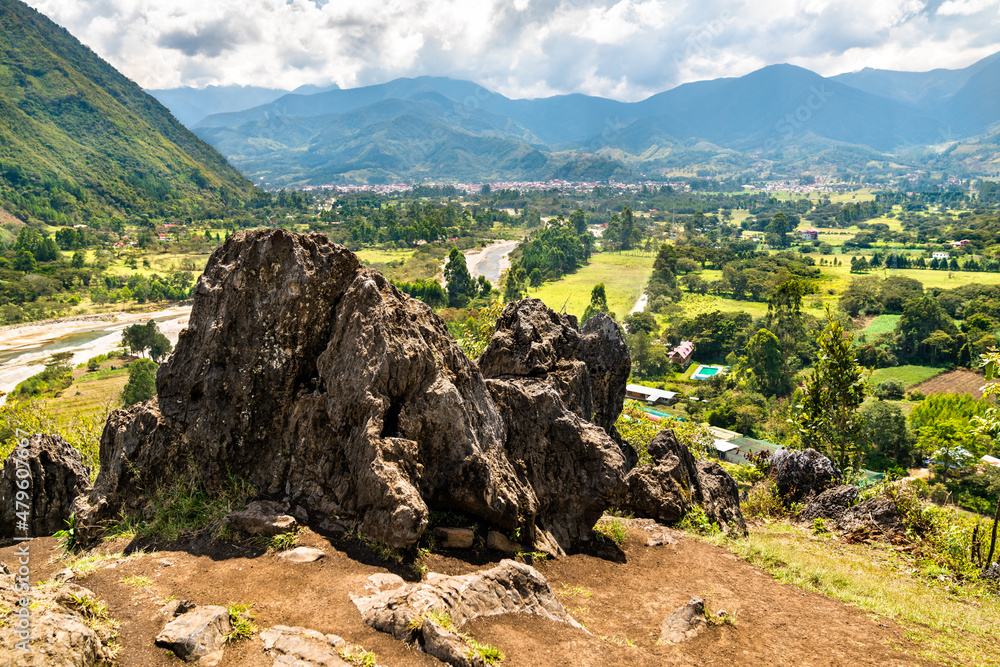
pixel 631 593
pixel 953 382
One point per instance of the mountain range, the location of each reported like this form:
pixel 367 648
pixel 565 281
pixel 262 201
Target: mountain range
pixel 79 140
pixel 433 127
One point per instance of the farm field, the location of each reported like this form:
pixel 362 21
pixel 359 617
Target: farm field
pixel 377 256
pixel 624 276
pixel 840 276
pixel 954 382
pixel 90 393
pixel 909 375
pixel 880 325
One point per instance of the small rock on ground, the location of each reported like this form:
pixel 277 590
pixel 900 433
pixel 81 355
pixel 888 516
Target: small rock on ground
pixel 197 636
pixel 301 647
pixel 301 555
pixel 684 623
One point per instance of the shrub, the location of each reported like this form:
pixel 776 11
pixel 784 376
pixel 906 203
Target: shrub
pixel 763 502
pixel 891 389
pixel 141 384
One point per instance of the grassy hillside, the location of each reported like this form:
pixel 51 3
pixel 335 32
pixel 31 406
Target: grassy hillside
pixel 79 140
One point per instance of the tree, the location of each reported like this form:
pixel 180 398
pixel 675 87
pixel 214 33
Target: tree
pixel 77 262
pixel 160 347
pixel 456 274
pixel 641 322
pixel 989 424
pixel 24 260
pixel 578 219
pixel 828 418
pixel 886 431
pixel 141 385
pixel 598 303
pixel 513 284
pixel 763 366
pixel 535 279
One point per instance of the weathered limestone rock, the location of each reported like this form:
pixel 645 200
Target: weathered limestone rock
pixel 500 542
pixel 684 623
pixel 875 517
pixel 262 517
pixel 60 631
pixel 405 612
pixel 198 635
pixel 55 477
pixel 454 538
pixel 319 382
pixel 799 475
pixel 675 482
pixel 303 647
pixel 831 504
pixel 301 555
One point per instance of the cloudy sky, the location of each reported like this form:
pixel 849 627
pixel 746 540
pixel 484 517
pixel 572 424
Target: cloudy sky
pixel 626 49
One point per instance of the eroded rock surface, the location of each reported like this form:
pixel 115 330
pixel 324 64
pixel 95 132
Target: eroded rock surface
pixel 831 504
pixel 431 613
pixel 198 635
pixel 675 482
pixel 684 623
pixel 55 476
pixel 875 517
pixel 63 629
pixel 318 382
pixel 301 647
pixel 800 475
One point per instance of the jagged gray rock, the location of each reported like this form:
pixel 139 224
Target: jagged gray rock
pixel 431 613
pixel 675 482
pixel 262 517
pixel 198 635
pixel 61 633
pixel 317 381
pixel 302 647
pixel 55 475
pixel 875 517
pixel 831 504
pixel 684 623
pixel 800 475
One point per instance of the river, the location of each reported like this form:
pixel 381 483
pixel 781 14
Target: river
pixel 491 261
pixel 24 349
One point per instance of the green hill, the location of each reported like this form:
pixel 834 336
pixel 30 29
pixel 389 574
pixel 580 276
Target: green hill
pixel 78 140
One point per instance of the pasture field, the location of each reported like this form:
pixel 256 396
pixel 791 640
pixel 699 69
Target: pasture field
pixel 624 276
pixel 371 256
pixel 910 376
pixel 880 325
pixel 840 276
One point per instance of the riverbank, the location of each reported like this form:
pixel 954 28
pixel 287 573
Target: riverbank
pixel 490 261
pixel 25 348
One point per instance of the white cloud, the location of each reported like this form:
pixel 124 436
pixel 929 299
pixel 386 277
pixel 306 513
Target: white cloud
pixel 626 49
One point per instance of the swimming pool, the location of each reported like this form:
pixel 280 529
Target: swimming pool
pixel 705 372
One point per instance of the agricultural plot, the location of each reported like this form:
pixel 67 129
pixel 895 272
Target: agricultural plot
pixel 954 382
pixel 881 325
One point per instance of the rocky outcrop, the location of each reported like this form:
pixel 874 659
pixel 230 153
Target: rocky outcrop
pixel 319 383
pixel 675 482
pixel 62 626
pixel 301 647
pixel 831 504
pixel 40 482
pixel 875 517
pixel 800 475
pixel 684 623
pixel 261 517
pixel 198 635
pixel 430 614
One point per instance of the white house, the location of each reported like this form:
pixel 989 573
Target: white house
pixel 940 255
pixel 638 392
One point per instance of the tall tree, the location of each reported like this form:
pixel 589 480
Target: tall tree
pixel 456 274
pixel 829 419
pixel 762 365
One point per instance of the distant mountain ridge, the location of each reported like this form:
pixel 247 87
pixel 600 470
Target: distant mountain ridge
pixel 79 140
pixel 435 127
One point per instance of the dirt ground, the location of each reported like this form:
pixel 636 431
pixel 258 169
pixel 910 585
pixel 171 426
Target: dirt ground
pixel 953 382
pixel 620 597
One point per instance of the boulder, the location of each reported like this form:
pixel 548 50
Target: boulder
pixel 875 517
pixel 684 623
pixel 800 475
pixel 430 614
pixel 992 573
pixel 454 538
pixel 500 542
pixel 303 647
pixel 198 635
pixel 55 476
pixel 316 380
pixel 831 504
pixel 676 482
pixel 507 588
pixel 56 630
pixel 262 517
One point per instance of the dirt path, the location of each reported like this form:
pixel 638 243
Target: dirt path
pixel 776 624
